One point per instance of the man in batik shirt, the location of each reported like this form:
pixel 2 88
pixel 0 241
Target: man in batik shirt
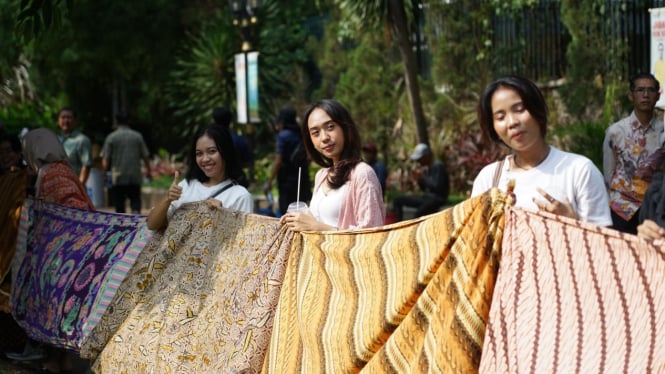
pixel 633 152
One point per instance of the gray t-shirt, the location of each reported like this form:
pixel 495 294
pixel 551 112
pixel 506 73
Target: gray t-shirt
pixel 124 149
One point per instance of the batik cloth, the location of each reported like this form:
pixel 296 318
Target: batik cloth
pixel 411 297
pixel 12 190
pixel 68 266
pixel 572 297
pixel 58 184
pixel 200 298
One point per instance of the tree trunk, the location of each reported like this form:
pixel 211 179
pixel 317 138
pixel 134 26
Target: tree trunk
pixel 400 32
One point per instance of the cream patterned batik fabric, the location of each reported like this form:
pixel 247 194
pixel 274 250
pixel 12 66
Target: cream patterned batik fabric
pixel 412 297
pixel 200 298
pixel 572 297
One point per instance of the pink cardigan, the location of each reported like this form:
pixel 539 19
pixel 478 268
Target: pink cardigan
pixel 363 206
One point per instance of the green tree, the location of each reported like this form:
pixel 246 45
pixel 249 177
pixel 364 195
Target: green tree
pixel 372 14
pixel 461 37
pixel 368 88
pixel 204 74
pixel 104 56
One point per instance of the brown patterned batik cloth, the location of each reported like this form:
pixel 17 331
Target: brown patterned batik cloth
pixel 12 192
pixel 572 297
pixel 200 298
pixel 409 297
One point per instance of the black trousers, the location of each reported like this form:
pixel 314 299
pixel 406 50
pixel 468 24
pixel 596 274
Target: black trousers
pixel 424 204
pixel 622 225
pixel 123 192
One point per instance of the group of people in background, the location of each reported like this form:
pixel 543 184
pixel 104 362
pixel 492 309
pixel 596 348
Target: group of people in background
pixel 348 191
pixel 512 112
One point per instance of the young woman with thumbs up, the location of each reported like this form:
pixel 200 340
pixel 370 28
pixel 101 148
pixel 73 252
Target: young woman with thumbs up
pixel 212 172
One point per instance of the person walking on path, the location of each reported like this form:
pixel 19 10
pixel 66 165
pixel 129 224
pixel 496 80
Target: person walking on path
pixel 76 144
pixel 122 153
pixel 290 160
pixel 222 116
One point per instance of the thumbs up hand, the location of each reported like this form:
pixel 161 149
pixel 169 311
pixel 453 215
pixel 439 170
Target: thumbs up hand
pixel 175 191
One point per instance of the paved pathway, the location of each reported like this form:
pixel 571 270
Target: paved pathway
pixel 9 367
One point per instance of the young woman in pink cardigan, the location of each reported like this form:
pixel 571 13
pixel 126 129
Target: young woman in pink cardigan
pixel 347 193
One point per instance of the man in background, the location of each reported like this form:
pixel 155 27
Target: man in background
pixel 222 116
pixel 370 153
pixel 633 152
pixel 290 164
pixel 432 177
pixel 122 153
pixel 76 144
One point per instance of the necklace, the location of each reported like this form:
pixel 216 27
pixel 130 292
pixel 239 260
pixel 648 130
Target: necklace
pixel 518 166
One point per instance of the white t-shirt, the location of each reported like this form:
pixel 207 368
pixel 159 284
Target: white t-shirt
pixel 326 207
pixel 236 197
pixel 561 174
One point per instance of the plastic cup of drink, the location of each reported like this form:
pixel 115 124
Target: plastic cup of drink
pixel 297 206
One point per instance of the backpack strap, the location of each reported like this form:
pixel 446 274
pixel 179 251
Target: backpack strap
pixel 497 173
pixel 222 189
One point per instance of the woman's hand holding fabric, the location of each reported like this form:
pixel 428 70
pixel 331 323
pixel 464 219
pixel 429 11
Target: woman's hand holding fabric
pixel 650 230
pixel 303 221
pixel 213 203
pixel 552 205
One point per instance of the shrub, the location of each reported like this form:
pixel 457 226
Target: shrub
pixel 466 156
pixel 581 138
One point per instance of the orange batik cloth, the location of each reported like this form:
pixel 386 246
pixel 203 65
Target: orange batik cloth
pixel 12 190
pixel 408 297
pixel 57 183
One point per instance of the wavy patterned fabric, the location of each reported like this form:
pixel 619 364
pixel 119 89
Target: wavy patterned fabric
pixel 200 299
pixel 67 267
pixel 575 298
pixel 409 297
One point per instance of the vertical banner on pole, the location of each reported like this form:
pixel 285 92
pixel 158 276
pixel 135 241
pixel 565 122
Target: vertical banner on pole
pixel 253 86
pixel 241 87
pixel 658 49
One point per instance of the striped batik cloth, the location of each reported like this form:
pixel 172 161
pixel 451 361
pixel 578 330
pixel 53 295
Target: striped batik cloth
pixel 410 297
pixel 572 297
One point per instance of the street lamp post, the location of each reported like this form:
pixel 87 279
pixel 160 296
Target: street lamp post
pixel 245 18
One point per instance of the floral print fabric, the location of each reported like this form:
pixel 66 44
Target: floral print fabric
pixel 66 268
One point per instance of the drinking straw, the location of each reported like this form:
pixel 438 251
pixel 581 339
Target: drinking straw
pixel 298 193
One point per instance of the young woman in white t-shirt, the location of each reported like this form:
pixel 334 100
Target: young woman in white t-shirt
pixel 212 171
pixel 513 112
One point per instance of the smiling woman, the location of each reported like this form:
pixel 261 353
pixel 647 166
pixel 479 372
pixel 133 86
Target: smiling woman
pixel 347 192
pixel 512 111
pixel 212 173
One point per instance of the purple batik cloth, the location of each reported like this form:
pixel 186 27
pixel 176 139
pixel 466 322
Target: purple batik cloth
pixel 67 268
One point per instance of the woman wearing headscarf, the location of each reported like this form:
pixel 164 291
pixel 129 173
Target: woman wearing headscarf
pixel 56 181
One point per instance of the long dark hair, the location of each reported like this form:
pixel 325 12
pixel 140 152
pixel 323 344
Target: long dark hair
pixel 224 142
pixel 350 156
pixel 533 100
